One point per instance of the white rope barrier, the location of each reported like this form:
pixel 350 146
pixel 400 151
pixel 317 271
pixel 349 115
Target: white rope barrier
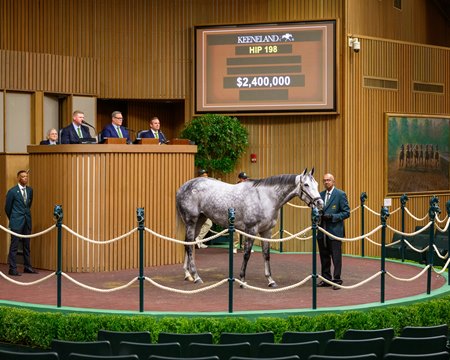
pixel 445 227
pixel 349 239
pixel 443 269
pixel 7 278
pixel 186 242
pixel 254 237
pixel 414 217
pixel 27 236
pixel 285 288
pixel 87 287
pixel 414 248
pixel 354 209
pixel 361 283
pixel 443 220
pixel 186 292
pixel 410 234
pixel 372 211
pixel 300 236
pixel 97 241
pixel 436 250
pixel 409 279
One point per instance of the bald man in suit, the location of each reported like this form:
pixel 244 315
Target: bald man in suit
pixel 335 211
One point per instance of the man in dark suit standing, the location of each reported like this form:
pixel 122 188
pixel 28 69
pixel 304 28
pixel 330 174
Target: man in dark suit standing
pixel 75 132
pixel 18 209
pixel 155 131
pixel 335 211
pixel 115 129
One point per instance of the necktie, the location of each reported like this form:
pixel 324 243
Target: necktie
pixel 24 195
pixel 119 132
pixel 156 135
pixel 80 135
pixel 327 197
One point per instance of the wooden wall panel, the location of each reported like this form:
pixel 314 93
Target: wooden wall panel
pixel 143 50
pixel 419 21
pixel 100 188
pixel 366 108
pixel 26 71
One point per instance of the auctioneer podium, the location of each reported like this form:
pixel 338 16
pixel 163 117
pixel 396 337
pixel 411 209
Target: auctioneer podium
pixel 99 188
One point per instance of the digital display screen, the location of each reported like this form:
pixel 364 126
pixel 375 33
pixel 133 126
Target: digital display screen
pixel 287 67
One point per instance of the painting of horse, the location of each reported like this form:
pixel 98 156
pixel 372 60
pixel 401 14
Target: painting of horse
pixel 256 202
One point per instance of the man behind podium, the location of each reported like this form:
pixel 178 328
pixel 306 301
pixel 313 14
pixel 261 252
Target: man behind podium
pixel 75 132
pixel 155 131
pixel 115 129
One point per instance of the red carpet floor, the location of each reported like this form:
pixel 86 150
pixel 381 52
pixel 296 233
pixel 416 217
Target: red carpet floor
pixel 212 263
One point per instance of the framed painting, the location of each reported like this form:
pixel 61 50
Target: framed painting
pixel 417 154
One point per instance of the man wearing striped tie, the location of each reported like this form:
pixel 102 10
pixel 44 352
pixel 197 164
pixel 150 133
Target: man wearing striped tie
pixel 116 129
pixel 335 211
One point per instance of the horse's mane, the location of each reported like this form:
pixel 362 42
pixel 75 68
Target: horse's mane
pixel 275 180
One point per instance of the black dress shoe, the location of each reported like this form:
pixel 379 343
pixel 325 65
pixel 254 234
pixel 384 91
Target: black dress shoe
pixel 13 273
pixel 338 282
pixel 323 284
pixel 30 271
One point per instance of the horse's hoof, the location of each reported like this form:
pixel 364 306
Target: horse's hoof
pixel 198 281
pixel 273 285
pixel 188 278
pixel 243 286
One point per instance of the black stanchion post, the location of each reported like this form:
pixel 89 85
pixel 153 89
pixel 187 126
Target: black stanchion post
pixel 363 198
pixel 315 220
pixel 140 219
pixel 384 214
pixel 231 218
pixel 447 207
pixel 403 200
pixel 434 208
pixel 58 216
pixel 281 229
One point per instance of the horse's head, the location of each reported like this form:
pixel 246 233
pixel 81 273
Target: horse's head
pixel 309 190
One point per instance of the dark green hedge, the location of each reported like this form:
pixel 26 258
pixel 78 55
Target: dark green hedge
pixel 37 329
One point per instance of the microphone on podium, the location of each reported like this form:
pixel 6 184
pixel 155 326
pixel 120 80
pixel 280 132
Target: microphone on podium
pixel 86 123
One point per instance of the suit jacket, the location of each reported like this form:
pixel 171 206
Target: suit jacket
pixel 47 142
pixel 149 134
pixel 337 206
pixel 70 136
pixel 18 212
pixel 110 132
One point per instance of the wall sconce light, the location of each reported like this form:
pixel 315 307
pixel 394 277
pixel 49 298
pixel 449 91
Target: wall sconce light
pixel 253 158
pixel 354 44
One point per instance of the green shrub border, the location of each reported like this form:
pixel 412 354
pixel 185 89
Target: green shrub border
pixel 37 328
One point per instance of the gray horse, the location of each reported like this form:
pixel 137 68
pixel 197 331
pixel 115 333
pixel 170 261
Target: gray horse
pixel 256 203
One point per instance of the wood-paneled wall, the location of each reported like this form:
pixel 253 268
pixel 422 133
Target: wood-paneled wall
pixel 142 50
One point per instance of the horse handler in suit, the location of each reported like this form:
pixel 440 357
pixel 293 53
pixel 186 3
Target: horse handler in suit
pixel 335 211
pixel 18 209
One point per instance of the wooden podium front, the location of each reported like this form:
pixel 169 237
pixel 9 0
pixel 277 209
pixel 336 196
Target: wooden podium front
pixel 100 187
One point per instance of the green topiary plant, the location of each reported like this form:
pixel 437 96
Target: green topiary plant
pixel 221 141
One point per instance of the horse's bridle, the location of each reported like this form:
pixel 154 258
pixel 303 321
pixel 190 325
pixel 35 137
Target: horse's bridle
pixel 304 195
